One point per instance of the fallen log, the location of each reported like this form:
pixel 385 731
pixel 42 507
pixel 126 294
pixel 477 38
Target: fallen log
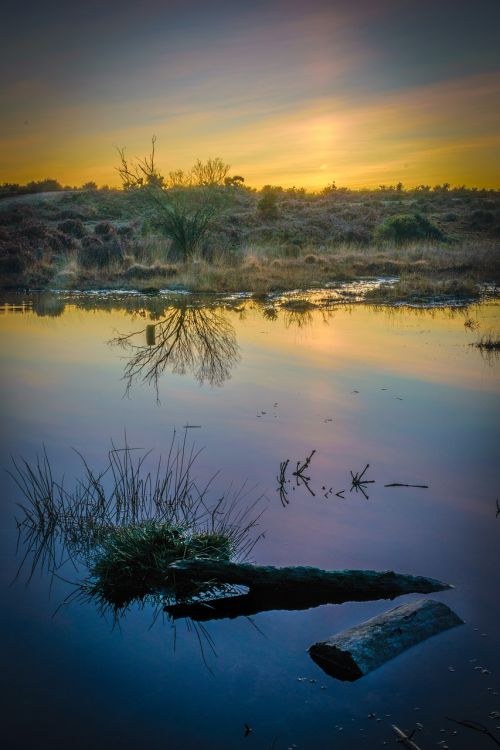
pixel 286 588
pixel 355 652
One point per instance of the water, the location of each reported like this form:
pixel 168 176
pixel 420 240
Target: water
pixel 400 389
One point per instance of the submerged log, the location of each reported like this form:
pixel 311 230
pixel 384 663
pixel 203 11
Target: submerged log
pixel 288 588
pixel 355 652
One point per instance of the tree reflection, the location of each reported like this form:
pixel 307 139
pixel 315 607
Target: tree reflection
pixel 198 340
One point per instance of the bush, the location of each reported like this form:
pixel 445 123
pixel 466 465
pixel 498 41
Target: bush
pixel 268 203
pixel 74 227
pixel 403 228
pixel 126 230
pixel 11 264
pixel 16 215
pixel 94 253
pixel 481 219
pixel 104 229
pixel 59 242
pixel 43 186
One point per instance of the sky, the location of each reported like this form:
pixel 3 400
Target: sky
pixel 287 92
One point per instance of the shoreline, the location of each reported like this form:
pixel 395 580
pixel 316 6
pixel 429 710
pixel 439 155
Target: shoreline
pixel 376 292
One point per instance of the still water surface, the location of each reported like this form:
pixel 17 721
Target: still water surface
pixel 399 389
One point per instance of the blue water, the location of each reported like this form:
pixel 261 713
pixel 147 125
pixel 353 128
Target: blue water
pixel 76 679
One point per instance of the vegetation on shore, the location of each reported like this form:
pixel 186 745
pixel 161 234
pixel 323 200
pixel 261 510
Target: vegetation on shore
pixel 206 231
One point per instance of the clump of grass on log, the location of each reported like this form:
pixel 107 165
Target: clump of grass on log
pixel 131 562
pixel 126 523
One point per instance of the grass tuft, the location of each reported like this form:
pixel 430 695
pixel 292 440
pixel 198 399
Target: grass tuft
pixel 127 523
pixel 132 562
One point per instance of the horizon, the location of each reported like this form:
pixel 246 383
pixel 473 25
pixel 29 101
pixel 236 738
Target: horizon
pixel 389 187
pixel 286 93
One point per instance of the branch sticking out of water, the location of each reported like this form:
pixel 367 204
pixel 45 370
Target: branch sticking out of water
pixel 358 483
pixel 299 474
pixel 281 479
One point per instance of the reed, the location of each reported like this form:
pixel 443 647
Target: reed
pixel 127 522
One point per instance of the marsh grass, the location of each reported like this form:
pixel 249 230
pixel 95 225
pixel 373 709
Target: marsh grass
pixel 488 342
pixel 420 288
pixel 270 267
pixel 489 347
pixel 124 524
pixel 131 562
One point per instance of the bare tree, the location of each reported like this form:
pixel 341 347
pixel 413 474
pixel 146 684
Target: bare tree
pixel 212 172
pixel 141 172
pixel 185 204
pixel 199 340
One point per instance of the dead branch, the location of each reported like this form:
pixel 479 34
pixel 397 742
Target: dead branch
pixel 405 739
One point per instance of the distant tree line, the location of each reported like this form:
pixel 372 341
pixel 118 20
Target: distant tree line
pixel 48 185
pixel 215 172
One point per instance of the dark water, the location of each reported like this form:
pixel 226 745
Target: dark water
pixel 401 390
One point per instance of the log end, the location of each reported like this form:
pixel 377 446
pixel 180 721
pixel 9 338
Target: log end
pixel 335 662
pixel 365 647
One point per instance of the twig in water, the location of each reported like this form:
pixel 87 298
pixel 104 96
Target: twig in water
pixel 302 467
pixel 299 475
pixel 498 510
pixel 281 479
pixel 358 483
pixel 405 739
pixel 475 725
pixel 400 484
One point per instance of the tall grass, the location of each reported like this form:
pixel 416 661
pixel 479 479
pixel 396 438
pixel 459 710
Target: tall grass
pixel 489 342
pixel 126 522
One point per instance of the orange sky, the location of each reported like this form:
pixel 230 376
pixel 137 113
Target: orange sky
pixel 286 92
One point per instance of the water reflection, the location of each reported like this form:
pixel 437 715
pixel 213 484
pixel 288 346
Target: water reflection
pixel 47 305
pixel 61 383
pixel 188 339
pixel 141 536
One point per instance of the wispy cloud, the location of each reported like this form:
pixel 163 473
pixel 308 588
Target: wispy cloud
pixel 284 91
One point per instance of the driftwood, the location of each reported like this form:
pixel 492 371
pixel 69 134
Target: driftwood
pixel 405 739
pixel 363 648
pixel 287 588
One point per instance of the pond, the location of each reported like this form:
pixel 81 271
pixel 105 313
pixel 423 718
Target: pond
pixel 257 382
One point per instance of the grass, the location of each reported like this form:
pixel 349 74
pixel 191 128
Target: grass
pixel 131 562
pixel 312 240
pixel 489 342
pixel 261 270
pixel 125 523
pixel 417 288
